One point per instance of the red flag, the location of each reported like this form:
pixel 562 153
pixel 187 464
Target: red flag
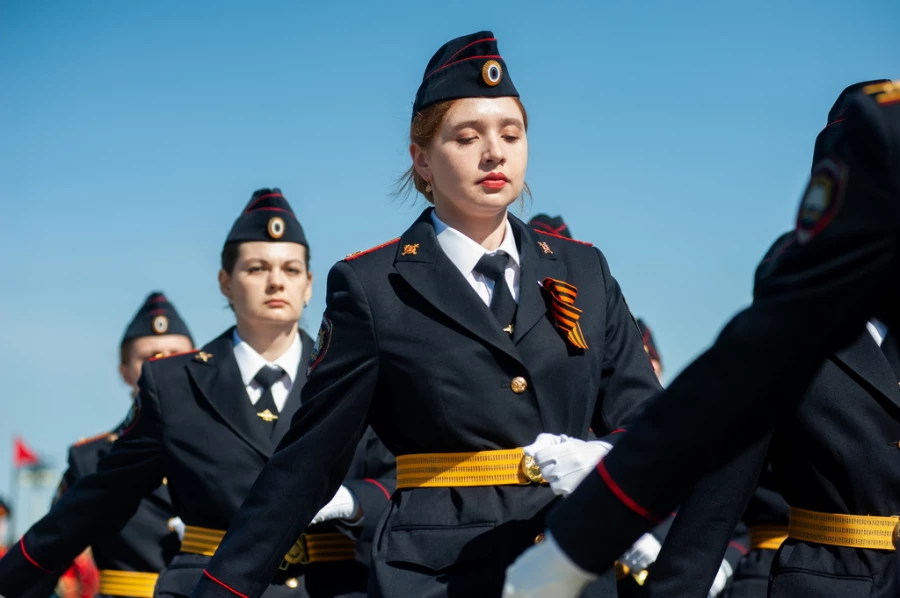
pixel 23 455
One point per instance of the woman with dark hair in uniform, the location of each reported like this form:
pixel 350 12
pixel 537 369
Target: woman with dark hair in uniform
pixel 480 351
pixel 208 421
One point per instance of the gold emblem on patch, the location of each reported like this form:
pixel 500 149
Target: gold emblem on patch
pixel 203 356
pixel 160 324
pixel 410 249
pixel 276 227
pixel 267 416
pixel 545 248
pixel 492 73
pixel 531 471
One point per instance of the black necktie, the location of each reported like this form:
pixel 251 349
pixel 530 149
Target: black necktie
pixel 266 409
pixel 503 306
pixel 892 352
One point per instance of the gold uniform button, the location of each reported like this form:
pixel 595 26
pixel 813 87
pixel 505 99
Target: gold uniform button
pixel 539 538
pixel 292 583
pixel 518 385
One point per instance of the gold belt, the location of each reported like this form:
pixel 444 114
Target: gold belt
pixel 309 548
pixel 127 583
pixel 483 468
pixel 767 537
pixel 853 531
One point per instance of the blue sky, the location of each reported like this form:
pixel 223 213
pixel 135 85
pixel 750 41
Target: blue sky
pixel 675 136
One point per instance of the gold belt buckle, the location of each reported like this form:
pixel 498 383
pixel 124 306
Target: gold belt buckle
pixel 531 470
pixel 297 555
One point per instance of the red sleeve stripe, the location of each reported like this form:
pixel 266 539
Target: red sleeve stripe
pixel 738 546
pixel 227 587
pixel 620 494
pixel 380 487
pixel 31 560
pixel 618 431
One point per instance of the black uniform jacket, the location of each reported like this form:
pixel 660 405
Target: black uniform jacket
pixel 767 508
pixel 837 453
pixel 195 425
pixel 410 348
pixel 812 301
pixel 145 544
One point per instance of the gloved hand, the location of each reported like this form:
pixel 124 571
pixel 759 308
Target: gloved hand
pixel 724 574
pixel 545 571
pixel 565 461
pixel 343 506
pixel 642 553
pixel 177 526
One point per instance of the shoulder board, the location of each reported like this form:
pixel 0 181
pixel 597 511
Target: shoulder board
pixel 563 238
pixel 90 439
pixel 158 357
pixel 353 256
pixel 885 93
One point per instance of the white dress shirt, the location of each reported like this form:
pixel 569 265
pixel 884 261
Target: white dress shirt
pixel 465 253
pixel 250 362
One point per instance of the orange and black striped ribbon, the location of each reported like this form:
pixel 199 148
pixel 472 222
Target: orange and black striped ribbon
pixel 562 296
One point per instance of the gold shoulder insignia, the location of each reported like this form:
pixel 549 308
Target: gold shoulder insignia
pixel 885 93
pixel 159 356
pixel 88 439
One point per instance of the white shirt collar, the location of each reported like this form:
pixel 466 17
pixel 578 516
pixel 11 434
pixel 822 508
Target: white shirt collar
pixel 464 252
pixel 250 362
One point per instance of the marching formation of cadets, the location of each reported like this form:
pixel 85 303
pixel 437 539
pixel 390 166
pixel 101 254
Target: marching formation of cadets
pixel 474 417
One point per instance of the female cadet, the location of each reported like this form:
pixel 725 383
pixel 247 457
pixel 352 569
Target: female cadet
pixel 208 421
pixel 131 559
pixel 460 341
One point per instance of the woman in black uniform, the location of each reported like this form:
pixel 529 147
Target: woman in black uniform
pixel 461 341
pixel 208 421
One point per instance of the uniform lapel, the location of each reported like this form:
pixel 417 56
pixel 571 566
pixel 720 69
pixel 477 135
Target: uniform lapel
pixel 536 265
pixel 292 404
pixel 866 359
pixel 219 380
pixel 425 267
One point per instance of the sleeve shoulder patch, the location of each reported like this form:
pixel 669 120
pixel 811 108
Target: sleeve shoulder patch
pixel 822 199
pixel 323 340
pixel 545 233
pixel 358 254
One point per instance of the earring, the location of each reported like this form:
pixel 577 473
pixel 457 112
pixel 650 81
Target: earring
pixel 427 187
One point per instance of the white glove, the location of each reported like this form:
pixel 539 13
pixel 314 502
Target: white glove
pixel 642 553
pixel 177 526
pixel 565 461
pixel 342 506
pixel 721 580
pixel 545 571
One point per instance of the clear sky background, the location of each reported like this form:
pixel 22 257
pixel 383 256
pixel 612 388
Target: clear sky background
pixel 676 136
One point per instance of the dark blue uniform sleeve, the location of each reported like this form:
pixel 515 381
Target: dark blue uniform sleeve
pixel 703 533
pixel 96 504
pixel 812 300
pixel 627 377
pixel 374 484
pixel 313 458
